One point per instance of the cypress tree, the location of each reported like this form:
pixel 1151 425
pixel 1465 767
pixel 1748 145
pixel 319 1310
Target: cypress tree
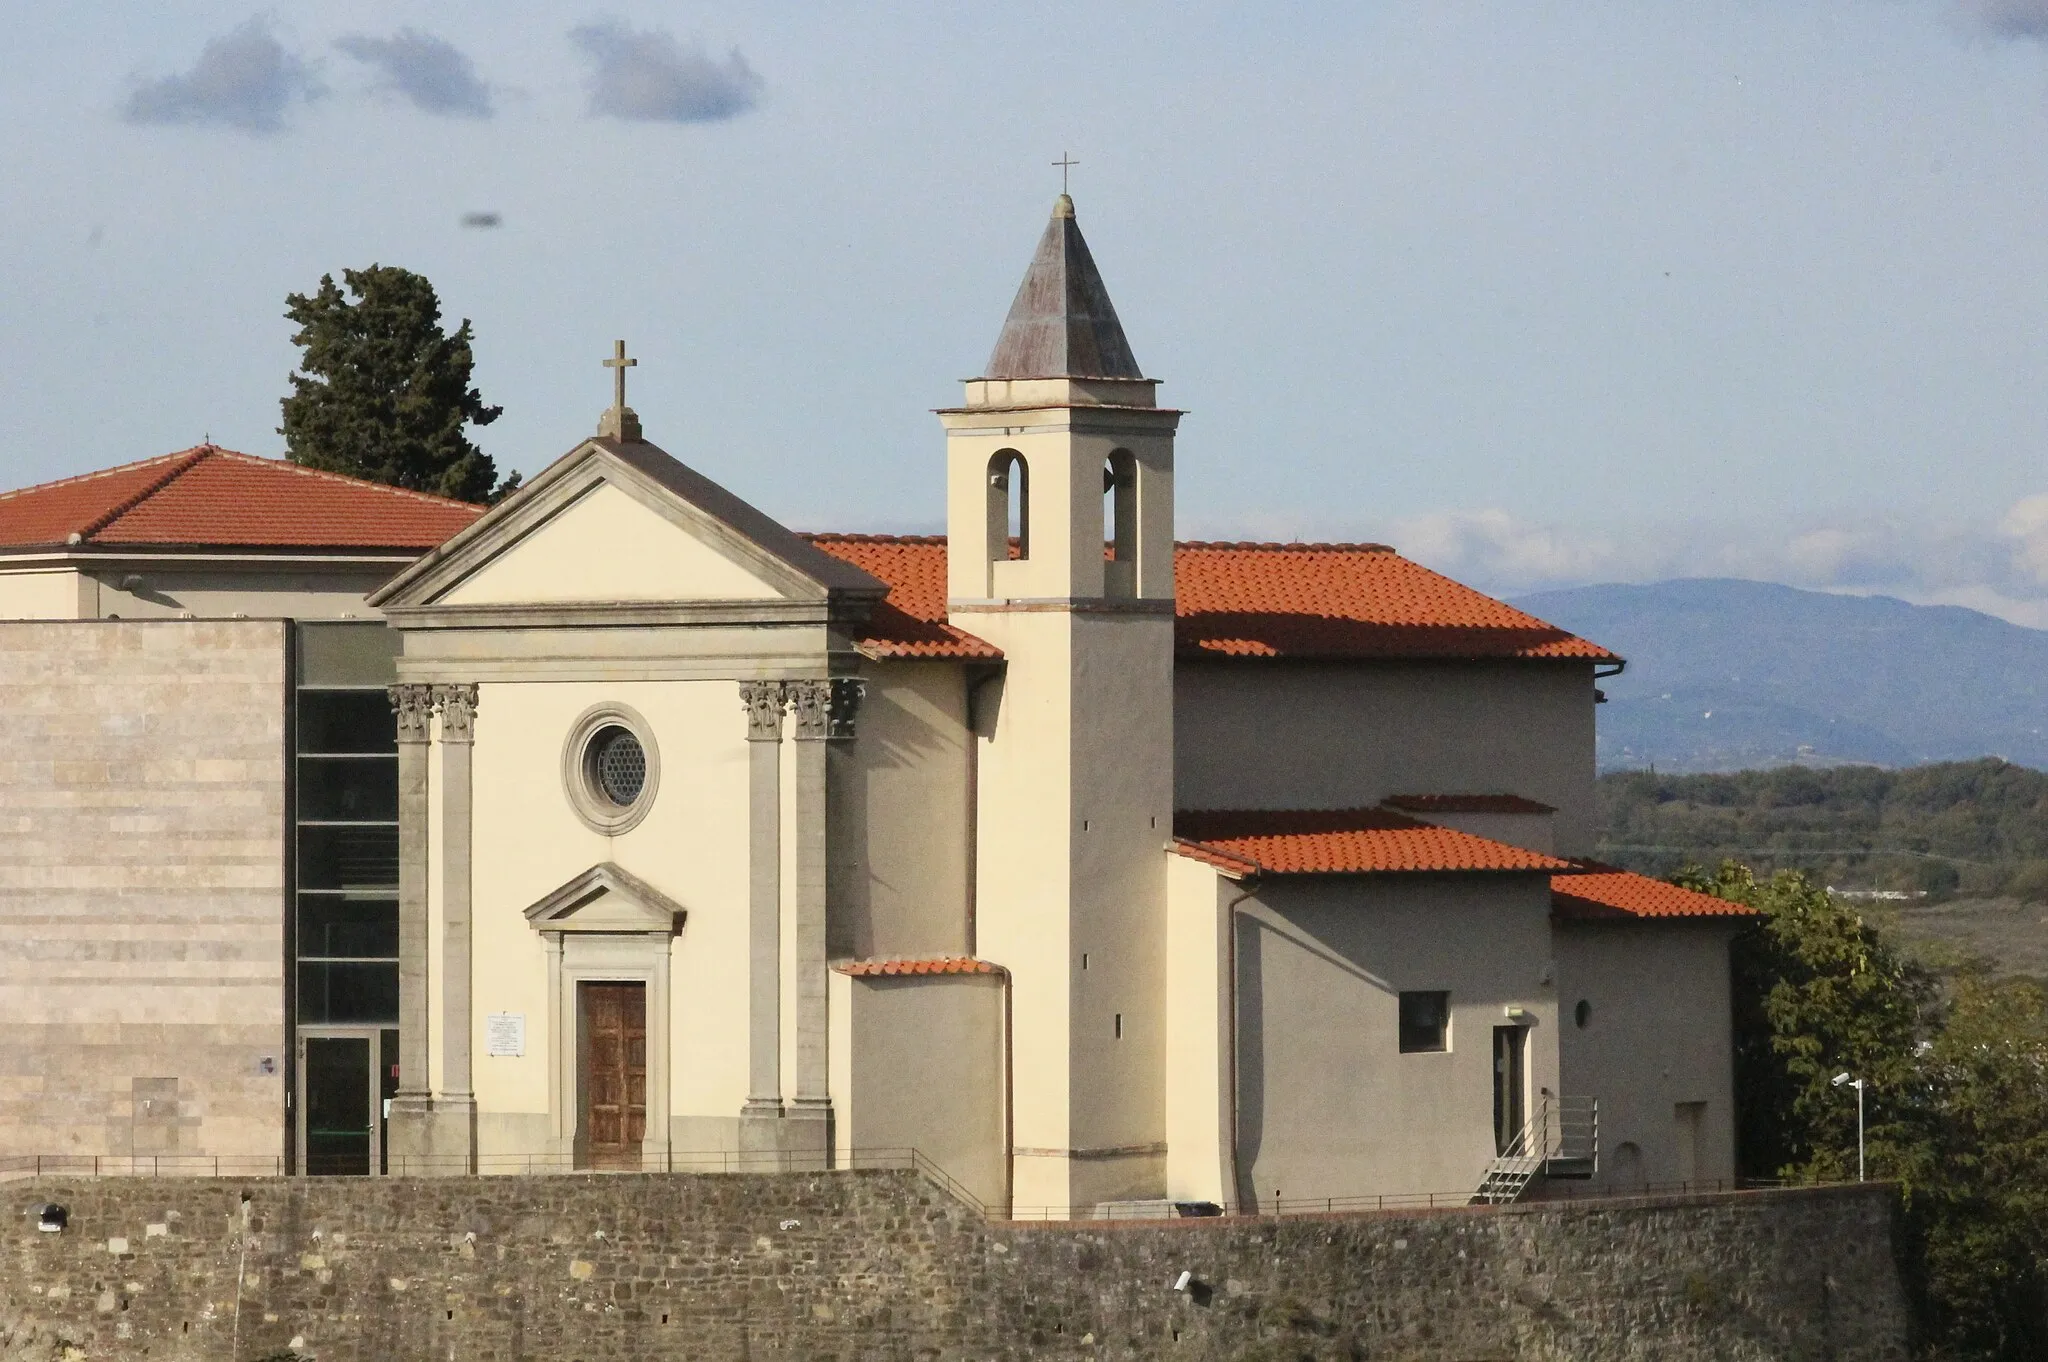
pixel 382 392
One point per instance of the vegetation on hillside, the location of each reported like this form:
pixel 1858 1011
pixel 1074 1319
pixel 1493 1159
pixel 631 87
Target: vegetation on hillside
pixel 382 392
pixel 1957 1102
pixel 1974 827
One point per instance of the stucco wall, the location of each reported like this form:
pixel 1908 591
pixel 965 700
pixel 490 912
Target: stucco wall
pixel 868 1267
pixel 1656 1035
pixel 692 846
pixel 907 812
pixel 925 1071
pixel 1270 735
pixel 1328 1106
pixel 142 825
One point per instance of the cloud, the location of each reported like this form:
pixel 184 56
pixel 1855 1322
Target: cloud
pixel 2012 18
pixel 433 75
pixel 649 76
pixel 243 79
pixel 1998 564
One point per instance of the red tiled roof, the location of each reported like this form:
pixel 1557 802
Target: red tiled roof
pixel 1340 842
pixel 1347 600
pixel 1441 803
pixel 1596 892
pixel 949 964
pixel 1244 600
pixel 213 496
pixel 911 620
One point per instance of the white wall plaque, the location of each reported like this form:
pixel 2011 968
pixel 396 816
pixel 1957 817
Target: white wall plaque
pixel 505 1034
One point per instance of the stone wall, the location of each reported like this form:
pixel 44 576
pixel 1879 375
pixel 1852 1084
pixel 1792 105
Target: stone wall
pixel 142 806
pixel 861 1267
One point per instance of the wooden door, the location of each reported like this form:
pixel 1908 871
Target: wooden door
pixel 614 1073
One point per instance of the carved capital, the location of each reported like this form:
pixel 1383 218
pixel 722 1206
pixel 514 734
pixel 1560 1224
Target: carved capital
pixel 825 709
pixel 764 702
pixel 458 712
pixel 413 703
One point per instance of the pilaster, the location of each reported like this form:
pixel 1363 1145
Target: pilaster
pixel 455 1107
pixel 824 711
pixel 761 1117
pixel 412 1107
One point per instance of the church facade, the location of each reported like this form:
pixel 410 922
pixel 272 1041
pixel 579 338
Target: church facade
pixel 620 826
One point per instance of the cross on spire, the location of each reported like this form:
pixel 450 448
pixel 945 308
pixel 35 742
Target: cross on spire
pixel 620 423
pixel 1065 163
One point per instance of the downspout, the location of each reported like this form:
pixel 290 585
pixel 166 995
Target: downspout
pixel 1250 884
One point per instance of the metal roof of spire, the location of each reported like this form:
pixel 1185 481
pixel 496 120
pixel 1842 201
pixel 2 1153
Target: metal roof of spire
pixel 1062 324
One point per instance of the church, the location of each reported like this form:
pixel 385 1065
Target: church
pixel 349 830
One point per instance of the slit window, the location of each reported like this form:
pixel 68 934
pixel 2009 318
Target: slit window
pixel 1120 507
pixel 1425 1022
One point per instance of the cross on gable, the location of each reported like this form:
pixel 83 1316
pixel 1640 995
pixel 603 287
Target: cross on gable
pixel 618 364
pixel 1065 163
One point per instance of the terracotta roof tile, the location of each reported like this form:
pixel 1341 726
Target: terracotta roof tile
pixel 949 964
pixel 1330 601
pixel 1595 892
pixel 1341 842
pixel 911 620
pixel 1442 803
pixel 208 496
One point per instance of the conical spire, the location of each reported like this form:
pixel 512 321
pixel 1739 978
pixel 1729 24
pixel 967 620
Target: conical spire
pixel 1062 324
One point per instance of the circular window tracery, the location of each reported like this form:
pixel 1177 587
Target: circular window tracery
pixel 619 764
pixel 610 768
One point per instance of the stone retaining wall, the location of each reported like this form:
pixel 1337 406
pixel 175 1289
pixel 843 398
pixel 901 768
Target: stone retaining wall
pixel 860 1267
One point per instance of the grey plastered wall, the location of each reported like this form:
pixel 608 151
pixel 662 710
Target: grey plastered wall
pixel 1657 1034
pixel 907 818
pixel 142 808
pixel 1328 1106
pixel 1261 734
pixel 927 1074
pixel 879 1267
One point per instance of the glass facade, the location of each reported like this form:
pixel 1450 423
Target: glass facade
pixel 347 856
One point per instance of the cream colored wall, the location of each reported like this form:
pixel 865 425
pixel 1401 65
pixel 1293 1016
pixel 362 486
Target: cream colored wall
pixel 47 594
pixel 1074 805
pixel 253 591
pixel 924 1070
pixel 1261 734
pixel 1328 1105
pixel 607 546
pixel 1659 1035
pixel 907 815
pixel 1197 1087
pixel 692 846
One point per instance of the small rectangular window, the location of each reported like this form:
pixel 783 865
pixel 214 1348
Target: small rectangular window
pixel 1119 1026
pixel 1425 1022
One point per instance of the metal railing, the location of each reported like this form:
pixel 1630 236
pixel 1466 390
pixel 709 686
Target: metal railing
pixel 25 1166
pixel 1560 1139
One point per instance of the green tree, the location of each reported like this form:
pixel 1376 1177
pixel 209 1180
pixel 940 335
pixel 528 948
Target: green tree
pixel 383 393
pixel 1817 991
pixel 1975 1175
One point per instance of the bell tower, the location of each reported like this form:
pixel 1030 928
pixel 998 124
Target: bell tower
pixel 1060 552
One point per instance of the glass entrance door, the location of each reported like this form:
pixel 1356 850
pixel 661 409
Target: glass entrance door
pixel 346 1079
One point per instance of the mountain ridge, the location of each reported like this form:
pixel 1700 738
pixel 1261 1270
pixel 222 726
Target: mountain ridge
pixel 1729 674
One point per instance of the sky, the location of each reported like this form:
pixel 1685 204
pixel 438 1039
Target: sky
pixel 1541 293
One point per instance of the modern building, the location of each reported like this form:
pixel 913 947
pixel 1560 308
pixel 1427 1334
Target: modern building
pixel 622 826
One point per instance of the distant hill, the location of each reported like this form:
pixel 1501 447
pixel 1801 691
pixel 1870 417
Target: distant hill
pixel 1728 675
pixel 1955 852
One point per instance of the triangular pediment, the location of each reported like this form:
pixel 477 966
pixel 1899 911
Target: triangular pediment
pixel 606 898
pixel 614 522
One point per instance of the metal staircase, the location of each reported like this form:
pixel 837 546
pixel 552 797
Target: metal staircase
pixel 1561 1140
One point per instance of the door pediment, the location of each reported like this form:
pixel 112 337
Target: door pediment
pixel 607 899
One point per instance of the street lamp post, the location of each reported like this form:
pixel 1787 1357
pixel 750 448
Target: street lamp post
pixel 1841 1080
